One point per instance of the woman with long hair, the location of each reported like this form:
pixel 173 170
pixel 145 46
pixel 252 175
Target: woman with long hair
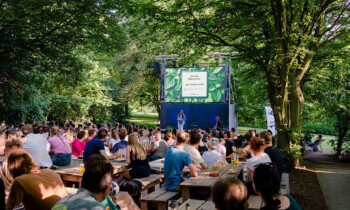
pixel 181 119
pixel 33 187
pixel 266 182
pixel 60 147
pixel 136 156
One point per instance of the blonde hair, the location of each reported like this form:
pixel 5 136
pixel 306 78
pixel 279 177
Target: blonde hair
pixel 56 131
pixel 138 152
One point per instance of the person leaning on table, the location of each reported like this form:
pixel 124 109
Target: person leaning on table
pixel 175 160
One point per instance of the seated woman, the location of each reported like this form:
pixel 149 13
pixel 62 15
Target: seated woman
pixel 267 185
pixel 136 155
pixel 229 193
pixel 258 156
pixel 60 147
pixel 32 186
pixel 78 144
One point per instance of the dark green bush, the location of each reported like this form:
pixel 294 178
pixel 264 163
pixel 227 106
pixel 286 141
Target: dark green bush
pixel 291 157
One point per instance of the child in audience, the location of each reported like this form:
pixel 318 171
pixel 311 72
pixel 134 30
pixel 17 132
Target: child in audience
pixel 229 193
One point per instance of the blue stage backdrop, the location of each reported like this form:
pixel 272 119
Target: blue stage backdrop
pixel 198 115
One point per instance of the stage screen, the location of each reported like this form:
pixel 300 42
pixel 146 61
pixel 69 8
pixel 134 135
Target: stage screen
pixel 195 85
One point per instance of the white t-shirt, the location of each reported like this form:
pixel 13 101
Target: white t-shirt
pixel 37 145
pixel 257 159
pixel 211 155
pixel 221 149
pixel 194 154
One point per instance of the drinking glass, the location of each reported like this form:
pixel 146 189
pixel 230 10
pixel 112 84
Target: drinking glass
pixel 215 166
pixel 81 168
pixel 236 160
pixel 173 205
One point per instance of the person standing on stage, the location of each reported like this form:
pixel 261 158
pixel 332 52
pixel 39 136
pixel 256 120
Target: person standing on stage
pixel 181 119
pixel 218 123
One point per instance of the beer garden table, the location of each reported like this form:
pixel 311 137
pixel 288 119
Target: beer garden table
pixel 203 182
pixel 72 172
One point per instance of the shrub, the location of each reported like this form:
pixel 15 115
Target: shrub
pixel 291 157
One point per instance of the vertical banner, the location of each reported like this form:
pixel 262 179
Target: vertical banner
pixel 270 120
pixel 162 81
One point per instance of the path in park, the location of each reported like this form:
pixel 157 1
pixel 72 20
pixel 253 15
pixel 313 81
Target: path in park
pixel 334 179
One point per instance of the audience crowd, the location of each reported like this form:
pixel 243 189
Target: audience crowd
pixel 32 152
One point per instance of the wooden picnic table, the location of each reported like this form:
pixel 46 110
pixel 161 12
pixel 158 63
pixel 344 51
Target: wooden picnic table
pixel 203 182
pixel 72 172
pixel 198 204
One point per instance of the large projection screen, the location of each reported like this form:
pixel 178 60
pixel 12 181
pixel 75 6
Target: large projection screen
pixel 195 85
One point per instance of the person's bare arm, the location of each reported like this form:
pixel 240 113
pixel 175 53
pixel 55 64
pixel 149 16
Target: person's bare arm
pixel 249 175
pixel 127 155
pixel 203 165
pixel 193 170
pixel 103 152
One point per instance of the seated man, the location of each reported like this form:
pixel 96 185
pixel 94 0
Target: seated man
pixel 96 145
pixel 37 146
pixel 159 147
pixel 194 153
pixel 175 160
pixel 274 154
pixel 212 154
pixel 95 187
pixel 318 139
pixel 122 144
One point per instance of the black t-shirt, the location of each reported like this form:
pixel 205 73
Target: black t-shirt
pixel 276 158
pixel 229 144
pixel 218 124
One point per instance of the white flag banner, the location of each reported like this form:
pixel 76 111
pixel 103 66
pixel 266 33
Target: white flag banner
pixel 270 120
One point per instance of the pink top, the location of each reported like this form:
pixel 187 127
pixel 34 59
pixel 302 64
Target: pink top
pixel 57 145
pixel 78 147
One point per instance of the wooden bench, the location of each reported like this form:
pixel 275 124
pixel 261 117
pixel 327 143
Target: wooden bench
pixel 150 183
pixel 158 198
pixel 285 184
pixel 198 204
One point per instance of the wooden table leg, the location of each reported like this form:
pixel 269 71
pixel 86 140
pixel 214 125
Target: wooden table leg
pixel 185 194
pixel 162 206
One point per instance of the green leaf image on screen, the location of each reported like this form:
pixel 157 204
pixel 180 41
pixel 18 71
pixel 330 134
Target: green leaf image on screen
pixel 215 85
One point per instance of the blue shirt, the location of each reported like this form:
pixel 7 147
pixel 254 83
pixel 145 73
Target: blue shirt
pixel 93 147
pixel 175 161
pixel 121 145
pixel 179 117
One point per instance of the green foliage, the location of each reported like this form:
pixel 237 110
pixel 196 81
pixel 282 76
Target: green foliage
pixel 216 85
pixel 291 157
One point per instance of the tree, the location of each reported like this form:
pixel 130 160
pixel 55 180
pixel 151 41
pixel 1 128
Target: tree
pixel 280 37
pixel 330 89
pixel 42 43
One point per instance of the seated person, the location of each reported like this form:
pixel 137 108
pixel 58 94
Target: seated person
pixel 229 193
pixel 90 135
pixel 136 156
pixel 274 154
pixel 258 156
pixel 78 144
pixel 175 160
pixel 113 139
pixel 267 185
pixel 171 140
pixel 37 146
pixel 212 154
pixel 222 148
pixel 10 146
pixel 95 187
pixel 159 147
pixel 318 139
pixel 144 140
pixel 121 146
pixel 32 186
pixel 60 146
pixel 96 145
pixel 196 157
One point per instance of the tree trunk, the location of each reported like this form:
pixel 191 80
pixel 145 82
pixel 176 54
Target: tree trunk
pixel 296 107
